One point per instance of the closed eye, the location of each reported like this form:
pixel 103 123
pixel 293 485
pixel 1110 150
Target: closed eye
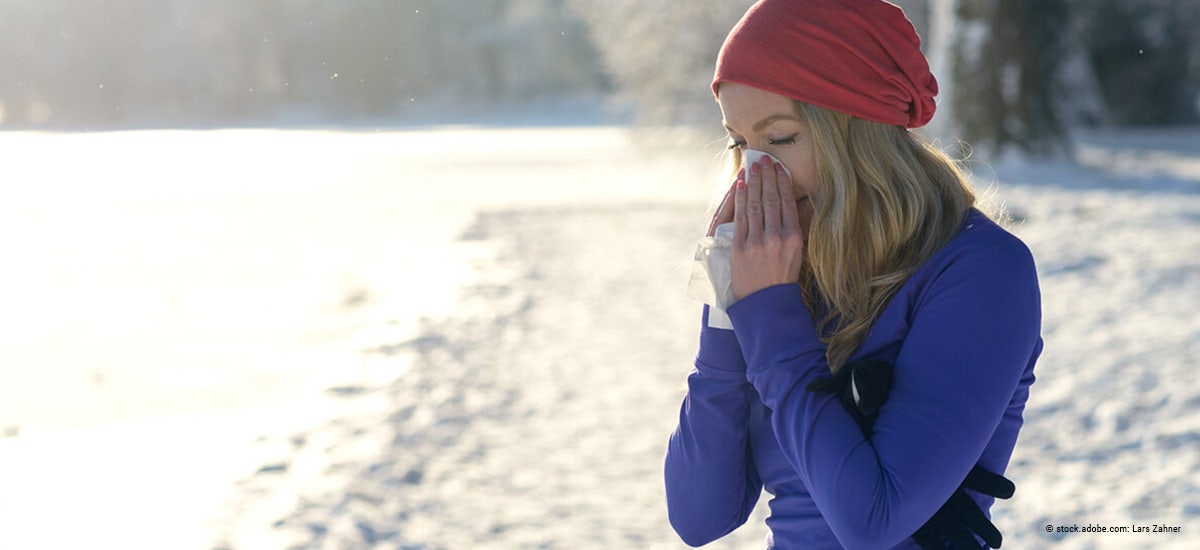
pixel 772 142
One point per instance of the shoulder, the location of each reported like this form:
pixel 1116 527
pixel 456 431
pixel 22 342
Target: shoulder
pixel 983 280
pixel 983 255
pixel 982 244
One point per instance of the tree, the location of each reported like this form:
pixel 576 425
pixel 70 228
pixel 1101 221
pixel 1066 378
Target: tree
pixel 1146 58
pixel 1005 61
pixel 661 53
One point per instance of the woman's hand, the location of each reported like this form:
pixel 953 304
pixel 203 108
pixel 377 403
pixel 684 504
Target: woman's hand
pixel 768 247
pixel 724 212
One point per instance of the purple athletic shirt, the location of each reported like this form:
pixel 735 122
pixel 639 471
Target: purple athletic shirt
pixel 963 334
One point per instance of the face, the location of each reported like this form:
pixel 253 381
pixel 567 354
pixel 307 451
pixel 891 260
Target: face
pixel 758 119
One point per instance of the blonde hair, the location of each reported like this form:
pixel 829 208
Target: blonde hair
pixel 885 201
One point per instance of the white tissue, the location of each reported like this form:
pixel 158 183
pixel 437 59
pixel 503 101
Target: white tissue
pixel 711 281
pixel 751 156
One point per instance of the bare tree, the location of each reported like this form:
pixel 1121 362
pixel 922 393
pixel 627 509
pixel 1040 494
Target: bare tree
pixel 1005 63
pixel 1145 55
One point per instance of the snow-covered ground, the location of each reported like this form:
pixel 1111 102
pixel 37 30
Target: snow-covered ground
pixel 174 300
pixel 476 337
pixel 1112 433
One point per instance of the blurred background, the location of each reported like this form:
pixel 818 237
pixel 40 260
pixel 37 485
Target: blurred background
pixel 1014 71
pixel 359 274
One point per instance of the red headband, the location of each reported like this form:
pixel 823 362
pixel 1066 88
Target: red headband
pixel 860 57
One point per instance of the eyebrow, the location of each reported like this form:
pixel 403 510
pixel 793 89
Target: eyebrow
pixel 758 126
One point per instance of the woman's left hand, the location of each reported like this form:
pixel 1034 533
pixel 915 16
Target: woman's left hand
pixel 768 246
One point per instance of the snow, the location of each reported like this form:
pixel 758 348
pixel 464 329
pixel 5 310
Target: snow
pixel 1112 425
pixel 408 338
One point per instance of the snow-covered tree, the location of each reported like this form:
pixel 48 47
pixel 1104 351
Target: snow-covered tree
pixel 661 53
pixel 106 62
pixel 1010 70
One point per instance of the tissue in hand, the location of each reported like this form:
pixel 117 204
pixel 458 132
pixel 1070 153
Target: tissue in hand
pixel 711 280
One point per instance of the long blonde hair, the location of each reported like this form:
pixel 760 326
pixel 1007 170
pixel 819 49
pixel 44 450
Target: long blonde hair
pixel 885 201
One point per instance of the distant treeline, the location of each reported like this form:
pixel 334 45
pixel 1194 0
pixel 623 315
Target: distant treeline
pixel 104 63
pixel 167 62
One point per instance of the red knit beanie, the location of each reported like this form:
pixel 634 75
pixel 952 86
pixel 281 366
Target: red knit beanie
pixel 860 57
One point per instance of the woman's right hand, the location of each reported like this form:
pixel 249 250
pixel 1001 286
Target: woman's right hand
pixel 724 212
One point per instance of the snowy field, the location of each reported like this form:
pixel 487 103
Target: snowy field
pixel 466 337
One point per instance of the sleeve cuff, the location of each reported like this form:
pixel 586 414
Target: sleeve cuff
pixel 719 354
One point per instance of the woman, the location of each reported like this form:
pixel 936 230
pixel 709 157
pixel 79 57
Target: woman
pixel 871 249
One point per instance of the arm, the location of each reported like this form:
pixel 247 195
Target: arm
pixel 711 482
pixel 969 340
pixel 862 386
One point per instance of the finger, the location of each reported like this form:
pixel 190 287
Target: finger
pixel 754 205
pixel 772 217
pixel 973 519
pixel 741 221
pixel 952 529
pixel 791 215
pixel 988 483
pixel 724 212
pixel 928 539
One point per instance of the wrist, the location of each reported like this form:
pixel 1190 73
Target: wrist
pixel 773 323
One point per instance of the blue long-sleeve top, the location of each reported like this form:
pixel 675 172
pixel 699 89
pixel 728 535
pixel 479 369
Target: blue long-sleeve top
pixel 963 334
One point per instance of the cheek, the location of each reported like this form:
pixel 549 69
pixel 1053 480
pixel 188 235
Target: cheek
pixel 799 169
pixel 803 177
pixel 809 181
pixel 806 216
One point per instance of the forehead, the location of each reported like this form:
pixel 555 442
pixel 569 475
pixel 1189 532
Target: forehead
pixel 742 105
